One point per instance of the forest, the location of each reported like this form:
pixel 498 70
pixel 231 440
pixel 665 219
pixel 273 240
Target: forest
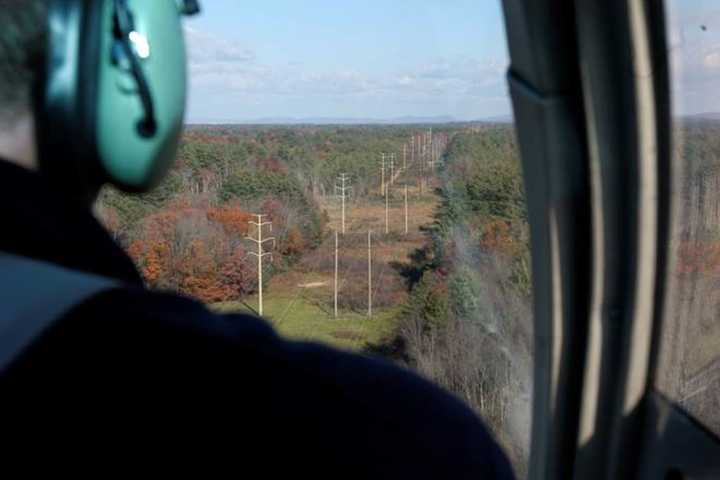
pixel 451 291
pixel 689 365
pixel 467 324
pixel 441 225
pixel 186 235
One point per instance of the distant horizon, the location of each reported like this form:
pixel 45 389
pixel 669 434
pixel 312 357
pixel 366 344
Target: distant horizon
pixel 330 120
pixel 392 121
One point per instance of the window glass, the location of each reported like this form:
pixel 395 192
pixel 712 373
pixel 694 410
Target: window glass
pixel 690 357
pixel 356 161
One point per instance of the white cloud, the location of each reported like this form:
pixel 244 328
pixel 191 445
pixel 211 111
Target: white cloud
pixel 712 60
pixel 694 38
pixel 206 48
pixel 214 62
pixel 223 68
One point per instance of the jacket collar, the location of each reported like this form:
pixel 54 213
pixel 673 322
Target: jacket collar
pixel 39 221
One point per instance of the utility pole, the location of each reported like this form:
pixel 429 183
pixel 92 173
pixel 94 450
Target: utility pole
pixel 382 181
pixel 260 254
pixel 387 212
pixel 343 188
pixel 430 151
pixel 336 273
pixel 422 142
pixel 412 149
pixel 392 169
pixel 369 274
pixel 404 157
pixel 406 209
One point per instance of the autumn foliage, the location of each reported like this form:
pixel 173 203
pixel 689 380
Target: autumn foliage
pixel 200 250
pixel 196 251
pixel 233 219
pixel 498 237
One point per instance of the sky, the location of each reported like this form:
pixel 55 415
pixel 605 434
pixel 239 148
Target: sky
pixel 694 43
pixel 376 59
pixel 388 59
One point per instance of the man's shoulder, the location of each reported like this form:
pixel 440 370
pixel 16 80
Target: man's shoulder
pixel 167 321
pixel 235 369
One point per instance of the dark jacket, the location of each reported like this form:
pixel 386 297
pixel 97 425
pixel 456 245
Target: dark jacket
pixel 132 376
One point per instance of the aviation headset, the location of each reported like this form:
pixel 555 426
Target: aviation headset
pixel 110 101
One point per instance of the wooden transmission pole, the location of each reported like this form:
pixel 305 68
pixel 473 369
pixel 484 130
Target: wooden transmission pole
pixel 260 241
pixel 406 210
pixel 412 149
pixel 382 178
pixel 421 147
pixel 336 274
pixel 343 189
pixel 404 156
pixel 369 273
pixel 392 169
pixel 387 211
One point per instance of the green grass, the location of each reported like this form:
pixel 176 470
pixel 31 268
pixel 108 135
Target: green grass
pixel 299 318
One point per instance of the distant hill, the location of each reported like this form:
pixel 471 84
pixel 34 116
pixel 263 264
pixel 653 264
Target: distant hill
pixel 498 119
pixel 328 121
pixel 405 120
pixel 703 116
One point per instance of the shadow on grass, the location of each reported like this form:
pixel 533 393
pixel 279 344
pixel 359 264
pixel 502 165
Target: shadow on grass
pixel 394 349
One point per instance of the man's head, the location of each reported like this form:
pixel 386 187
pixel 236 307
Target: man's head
pixel 22 47
pixel 93 91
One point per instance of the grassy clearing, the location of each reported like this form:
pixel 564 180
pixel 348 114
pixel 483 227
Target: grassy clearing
pixel 370 213
pixel 301 318
pixel 299 302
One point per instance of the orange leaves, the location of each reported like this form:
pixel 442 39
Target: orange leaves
pixel 218 282
pixel 270 164
pixel 154 261
pixel 197 249
pixel 160 226
pixel 498 236
pixel 232 218
pixel 150 257
pixel 136 249
pixel 294 243
pixel 204 288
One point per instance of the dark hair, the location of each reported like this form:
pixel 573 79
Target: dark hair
pixel 22 50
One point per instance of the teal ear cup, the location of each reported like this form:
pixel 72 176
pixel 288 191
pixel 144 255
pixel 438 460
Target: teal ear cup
pixel 135 155
pixel 113 97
